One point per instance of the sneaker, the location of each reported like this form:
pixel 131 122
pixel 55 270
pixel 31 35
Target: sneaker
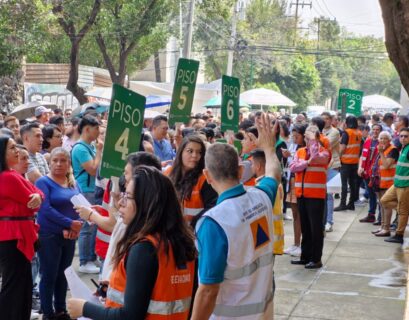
pixel 360 203
pixel 328 227
pixel 287 217
pixel 363 199
pixel 397 238
pixel 290 249
pixel 34 315
pixel 89 267
pixel 36 304
pixel 296 252
pixel 62 316
pixel 341 207
pixel 97 263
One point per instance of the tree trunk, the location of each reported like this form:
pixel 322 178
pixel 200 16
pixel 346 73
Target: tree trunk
pixel 395 15
pixel 72 83
pixel 157 67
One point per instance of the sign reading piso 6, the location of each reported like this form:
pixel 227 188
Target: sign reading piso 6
pixel 230 103
pixel 123 134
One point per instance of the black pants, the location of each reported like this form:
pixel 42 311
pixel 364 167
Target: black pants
pixel 349 176
pixel 16 283
pixel 311 217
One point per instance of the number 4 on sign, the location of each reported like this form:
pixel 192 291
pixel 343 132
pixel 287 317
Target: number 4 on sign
pixel 121 144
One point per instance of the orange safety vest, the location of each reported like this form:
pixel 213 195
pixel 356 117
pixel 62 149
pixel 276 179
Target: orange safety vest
pixel 194 205
pixel 353 148
pixel 311 182
pixel 387 174
pixel 172 293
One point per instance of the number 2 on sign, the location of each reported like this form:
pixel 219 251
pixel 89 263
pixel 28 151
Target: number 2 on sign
pixel 183 98
pixel 351 104
pixel 230 110
pixel 122 144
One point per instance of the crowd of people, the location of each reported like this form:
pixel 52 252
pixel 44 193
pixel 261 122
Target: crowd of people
pixel 192 227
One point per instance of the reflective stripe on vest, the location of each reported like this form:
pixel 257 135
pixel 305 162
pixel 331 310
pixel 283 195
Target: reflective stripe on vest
pixel 166 308
pixel 103 236
pixel 278 217
pixel 249 269
pixel 115 295
pixel 406 178
pixel 316 169
pixel 191 211
pixel 311 185
pixel 403 164
pixel 391 167
pixel 352 156
pixel 105 205
pixel 243 310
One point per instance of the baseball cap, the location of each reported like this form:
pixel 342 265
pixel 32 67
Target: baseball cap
pixel 40 110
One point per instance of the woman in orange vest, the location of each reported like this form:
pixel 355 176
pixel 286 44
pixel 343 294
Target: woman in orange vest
pixel 350 151
pixel 310 168
pixel 153 262
pixel 383 174
pixel 195 194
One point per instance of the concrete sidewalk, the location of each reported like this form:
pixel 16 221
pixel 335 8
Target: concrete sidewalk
pixel 363 276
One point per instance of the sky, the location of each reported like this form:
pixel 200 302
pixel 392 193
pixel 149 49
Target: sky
pixel 363 17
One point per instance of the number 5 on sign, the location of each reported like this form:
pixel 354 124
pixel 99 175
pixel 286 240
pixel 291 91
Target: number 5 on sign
pixel 183 91
pixel 230 103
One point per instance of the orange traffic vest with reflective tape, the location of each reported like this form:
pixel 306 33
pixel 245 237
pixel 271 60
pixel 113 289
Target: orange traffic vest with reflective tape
pixel 353 148
pixel 172 293
pixel 311 182
pixel 387 174
pixel 278 222
pixel 194 205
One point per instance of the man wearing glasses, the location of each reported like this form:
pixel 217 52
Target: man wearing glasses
pixel 397 196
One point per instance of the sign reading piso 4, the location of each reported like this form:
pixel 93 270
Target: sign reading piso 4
pixel 230 104
pixel 183 91
pixel 123 134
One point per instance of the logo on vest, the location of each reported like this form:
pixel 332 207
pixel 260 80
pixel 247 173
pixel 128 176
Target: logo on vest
pixel 259 230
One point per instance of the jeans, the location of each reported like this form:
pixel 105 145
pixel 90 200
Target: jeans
pixel 86 239
pixel 349 176
pixel 56 255
pixel 329 208
pixel 372 198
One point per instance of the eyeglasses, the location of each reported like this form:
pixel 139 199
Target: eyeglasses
pixel 404 135
pixel 58 136
pixel 124 197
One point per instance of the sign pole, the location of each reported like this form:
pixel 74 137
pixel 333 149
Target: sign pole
pixel 344 107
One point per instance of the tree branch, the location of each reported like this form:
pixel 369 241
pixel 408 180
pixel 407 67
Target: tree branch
pixel 107 59
pixel 91 19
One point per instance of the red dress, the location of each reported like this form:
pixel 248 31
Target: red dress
pixel 15 193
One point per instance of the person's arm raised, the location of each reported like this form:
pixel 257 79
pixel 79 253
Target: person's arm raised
pixel 267 141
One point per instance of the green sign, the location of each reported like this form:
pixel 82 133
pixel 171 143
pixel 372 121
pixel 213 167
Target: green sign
pixel 123 135
pixel 230 103
pixel 353 101
pixel 183 91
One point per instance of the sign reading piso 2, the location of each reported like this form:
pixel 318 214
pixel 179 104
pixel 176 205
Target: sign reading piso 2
pixel 353 101
pixel 124 130
pixel 183 91
pixel 230 103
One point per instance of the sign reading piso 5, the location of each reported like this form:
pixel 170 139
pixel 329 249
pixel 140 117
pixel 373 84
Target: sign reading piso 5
pixel 230 103
pixel 123 134
pixel 183 91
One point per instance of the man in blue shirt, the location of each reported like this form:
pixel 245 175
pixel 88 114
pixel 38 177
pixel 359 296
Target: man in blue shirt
pixel 86 159
pixel 163 148
pixel 235 238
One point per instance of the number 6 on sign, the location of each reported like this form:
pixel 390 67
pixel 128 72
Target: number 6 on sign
pixel 230 109
pixel 121 144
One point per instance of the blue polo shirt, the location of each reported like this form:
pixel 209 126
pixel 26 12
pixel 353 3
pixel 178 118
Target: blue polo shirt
pixel 212 240
pixel 163 149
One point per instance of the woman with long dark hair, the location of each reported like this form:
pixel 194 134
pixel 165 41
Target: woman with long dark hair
pixel 194 193
pixel 154 260
pixel 19 200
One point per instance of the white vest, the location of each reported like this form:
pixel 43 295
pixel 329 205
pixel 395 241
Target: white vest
pixel 247 290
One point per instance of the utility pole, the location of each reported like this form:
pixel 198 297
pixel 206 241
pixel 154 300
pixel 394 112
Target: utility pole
pixel 230 57
pixel 187 45
pixel 318 21
pixel 297 4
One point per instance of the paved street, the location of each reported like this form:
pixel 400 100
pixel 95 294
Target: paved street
pixel 363 277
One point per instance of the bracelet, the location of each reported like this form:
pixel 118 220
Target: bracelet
pixel 90 214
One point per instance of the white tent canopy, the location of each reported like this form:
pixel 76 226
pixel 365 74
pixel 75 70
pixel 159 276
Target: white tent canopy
pixel 379 102
pixel 266 97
